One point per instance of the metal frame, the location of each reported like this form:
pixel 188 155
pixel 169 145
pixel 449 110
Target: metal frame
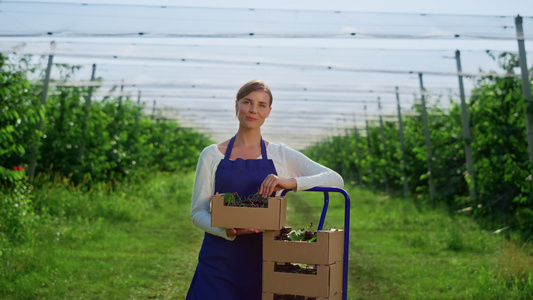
pixel 326 191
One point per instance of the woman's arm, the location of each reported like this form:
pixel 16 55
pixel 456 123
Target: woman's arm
pixel 204 188
pixel 297 172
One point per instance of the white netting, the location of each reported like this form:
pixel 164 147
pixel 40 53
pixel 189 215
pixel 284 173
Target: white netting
pixel 323 66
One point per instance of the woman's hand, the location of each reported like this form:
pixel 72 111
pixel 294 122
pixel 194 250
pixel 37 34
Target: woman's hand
pixel 273 183
pixel 240 231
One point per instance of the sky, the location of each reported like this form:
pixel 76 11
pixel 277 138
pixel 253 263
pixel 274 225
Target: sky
pixel 191 62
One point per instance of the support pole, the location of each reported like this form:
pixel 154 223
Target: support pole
pixel 39 127
pixel 136 126
pixel 358 153
pixel 116 128
pixel 428 140
pixel 369 153
pixel 402 147
pixel 329 145
pixel 466 130
pixel 526 85
pixel 341 151
pixel 153 111
pixel 384 146
pixel 120 96
pixel 348 154
pixel 81 152
pixel 119 108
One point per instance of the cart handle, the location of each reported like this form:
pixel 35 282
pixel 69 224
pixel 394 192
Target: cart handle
pixel 326 191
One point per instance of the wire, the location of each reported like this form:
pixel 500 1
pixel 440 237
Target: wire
pixel 296 113
pixel 173 6
pixel 297 66
pixel 150 43
pixel 259 34
pixel 491 24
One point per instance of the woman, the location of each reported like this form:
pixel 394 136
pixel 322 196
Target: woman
pixel 230 260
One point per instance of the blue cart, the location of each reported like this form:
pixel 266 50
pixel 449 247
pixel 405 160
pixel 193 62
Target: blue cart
pixel 326 191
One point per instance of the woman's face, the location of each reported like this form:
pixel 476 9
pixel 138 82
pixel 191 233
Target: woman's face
pixel 253 109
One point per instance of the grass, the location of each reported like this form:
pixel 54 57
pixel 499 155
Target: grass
pixel 145 240
pixel 401 250
pixel 138 243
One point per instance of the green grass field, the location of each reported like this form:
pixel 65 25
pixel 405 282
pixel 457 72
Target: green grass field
pixel 138 243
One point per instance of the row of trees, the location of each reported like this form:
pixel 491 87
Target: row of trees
pixel 503 179
pixel 111 139
pixel 106 141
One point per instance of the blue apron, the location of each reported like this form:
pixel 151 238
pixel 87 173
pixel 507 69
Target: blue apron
pixel 232 270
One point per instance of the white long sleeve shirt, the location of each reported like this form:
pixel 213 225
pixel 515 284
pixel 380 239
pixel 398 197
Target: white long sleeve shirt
pixel 288 162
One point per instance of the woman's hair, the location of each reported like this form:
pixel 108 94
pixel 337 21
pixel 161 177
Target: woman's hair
pixel 252 86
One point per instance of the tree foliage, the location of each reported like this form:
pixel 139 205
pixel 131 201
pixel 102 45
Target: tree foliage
pixel 503 179
pixel 85 142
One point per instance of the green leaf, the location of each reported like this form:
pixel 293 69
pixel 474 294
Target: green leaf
pixel 295 236
pixel 21 149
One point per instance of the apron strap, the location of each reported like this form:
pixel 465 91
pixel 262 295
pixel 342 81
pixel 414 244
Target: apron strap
pixel 263 149
pixel 230 147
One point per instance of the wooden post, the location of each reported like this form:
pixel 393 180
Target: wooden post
pixel 39 127
pixel 348 153
pixel 466 130
pixel 81 153
pixel 357 152
pixel 402 147
pixel 384 146
pixel 116 127
pixel 153 111
pixel 120 96
pixel 526 87
pixel 369 153
pixel 343 153
pixel 136 125
pixel 428 139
